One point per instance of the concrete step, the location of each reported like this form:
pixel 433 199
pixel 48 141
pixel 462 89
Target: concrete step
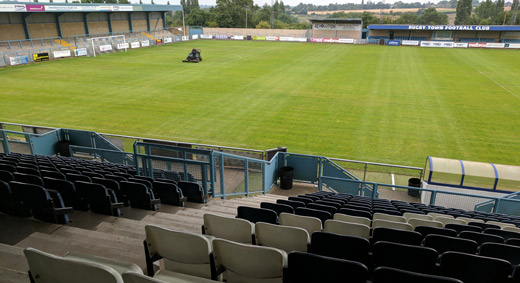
pixel 172 224
pixel 60 246
pixel 13 276
pixel 185 217
pixel 12 258
pixel 121 230
pixel 100 238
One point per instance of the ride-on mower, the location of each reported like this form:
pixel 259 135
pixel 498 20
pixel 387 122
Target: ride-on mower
pixel 193 57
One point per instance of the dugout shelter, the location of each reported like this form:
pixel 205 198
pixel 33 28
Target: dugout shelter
pixel 348 28
pixel 31 20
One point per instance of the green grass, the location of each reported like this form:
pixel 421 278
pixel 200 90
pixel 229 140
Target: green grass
pixel 384 104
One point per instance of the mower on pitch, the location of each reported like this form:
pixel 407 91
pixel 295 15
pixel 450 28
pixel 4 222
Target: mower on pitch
pixel 193 57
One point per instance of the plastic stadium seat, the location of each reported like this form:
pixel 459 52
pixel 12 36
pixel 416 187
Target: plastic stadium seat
pixel 473 268
pixel 310 224
pixel 391 224
pixel 6 176
pixel 313 198
pixel 461 228
pixel 281 237
pixel 115 177
pixel 247 263
pixel 293 204
pixel 304 200
pixel 45 205
pixel 193 192
pixel 483 226
pixel 7 200
pixel 111 185
pixel 92 174
pixel 170 193
pixel 406 257
pixel 254 214
pixel 52 174
pixel 48 268
pixel 68 192
pixel 443 244
pixel 388 217
pixel 352 219
pixel 77 177
pixel 28 179
pixel 27 170
pixel 340 246
pixel 393 212
pixel 427 230
pixel 446 220
pixel 513 242
pixel 119 266
pixel 502 251
pixel 7 167
pixel 320 214
pixel 233 229
pixel 356 212
pixel 139 195
pixel 415 222
pixel 277 207
pixel 502 233
pixel 347 229
pixel 183 252
pixel 330 203
pixel 393 275
pixel 99 198
pixel 396 236
pixel 481 238
pixel 304 267
pixel 330 209
pixel 409 216
pixel 163 276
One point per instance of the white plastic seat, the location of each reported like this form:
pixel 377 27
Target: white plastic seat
pixel 163 276
pixel 233 229
pixel 446 220
pixel 248 263
pixel 281 237
pixel 435 215
pixel 388 217
pixel 118 266
pixel 409 215
pixel 348 229
pixel 512 229
pixel 501 224
pixel 352 219
pixel 391 224
pixel 49 268
pixel 183 252
pixel 415 222
pixel 310 224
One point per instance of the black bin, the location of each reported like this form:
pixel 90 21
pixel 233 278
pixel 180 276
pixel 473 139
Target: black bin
pixel 64 148
pixel 416 183
pixel 286 178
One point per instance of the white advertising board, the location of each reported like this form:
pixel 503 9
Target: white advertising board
pixel 286 38
pixel 12 8
pixel 145 43
pixel 206 36
pixel 238 37
pixel 168 40
pixel 443 44
pixel 346 40
pixel 17 60
pixel 107 47
pixel 460 45
pixel 61 53
pixel 135 44
pixel 195 36
pixel 271 38
pixel 513 45
pixel 410 42
pixel 123 45
pixel 300 39
pixel 495 45
pixel 80 52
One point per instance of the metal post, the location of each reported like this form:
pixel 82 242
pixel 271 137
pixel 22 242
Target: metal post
pixel 204 177
pixel 183 23
pixel 433 197
pixel 222 186
pixel 496 206
pixel 365 173
pixel 374 191
pixel 246 181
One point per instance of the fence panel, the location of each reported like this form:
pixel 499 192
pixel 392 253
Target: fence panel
pixel 306 167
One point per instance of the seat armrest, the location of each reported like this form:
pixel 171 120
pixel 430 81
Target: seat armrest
pixel 63 210
pixel 155 201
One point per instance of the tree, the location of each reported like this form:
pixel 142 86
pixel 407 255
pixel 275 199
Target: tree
pixel 263 25
pixel 123 2
pixel 406 18
pixel 463 10
pixel 196 18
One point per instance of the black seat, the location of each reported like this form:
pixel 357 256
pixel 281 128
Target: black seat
pixel 114 186
pixel 340 246
pixel 45 205
pixel 28 170
pixel 329 203
pixel 473 268
pixel 313 198
pixel 92 174
pixel 356 212
pixel 502 233
pixel 481 238
pixel 28 179
pixel 443 244
pixel 427 230
pixel 483 226
pixel 460 228
pixel 330 209
pixel 68 192
pixel 170 193
pixel 513 242
pixel 502 251
pixel 406 257
pixel 7 167
pixel 393 275
pixel 172 175
pixel 77 177
pixel 7 200
pixel 320 214
pixel 99 198
pixel 305 267
pixel 386 211
pixel 149 179
pixel 293 204
pixel 254 214
pixel 277 207
pixel 139 195
pixel 192 191
pixel 115 177
pixel 6 176
pixel 52 174
pixel 396 236
pixel 304 200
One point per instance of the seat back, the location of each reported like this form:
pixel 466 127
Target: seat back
pixel 323 207
pixel 388 217
pixel 244 263
pixel 502 251
pixel 77 177
pixel 460 228
pixel 415 222
pixel 473 268
pixel 406 257
pixel 320 214
pixel 7 200
pixel 340 246
pixel 183 252
pixel 52 174
pixel 391 224
pixel 285 238
pixel 385 274
pixel 28 179
pixel 352 219
pixel 48 268
pixel 192 191
pixel 277 207
pixel 443 244
pixel 409 216
pixel 139 195
pixel 427 230
pixel 305 267
pixel 481 238
pixel 483 226
pixel 254 214
pixel 233 229
pixel 356 212
pixel 447 220
pixel 169 193
pixel 502 233
pixel 310 224
pixel 66 189
pixel 97 197
pixel 6 176
pixel 396 236
pixel 293 204
pixel 348 229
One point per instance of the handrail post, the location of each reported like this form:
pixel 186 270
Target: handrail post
pixel 320 183
pixel 246 181
pixel 222 179
pixel 497 205
pixel 433 198
pixel 374 191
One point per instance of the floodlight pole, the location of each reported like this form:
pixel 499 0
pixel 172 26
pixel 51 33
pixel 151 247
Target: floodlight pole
pixel 183 24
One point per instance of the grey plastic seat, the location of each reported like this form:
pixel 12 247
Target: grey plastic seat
pixel 233 229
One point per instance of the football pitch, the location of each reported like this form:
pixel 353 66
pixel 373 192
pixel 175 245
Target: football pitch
pixel 372 103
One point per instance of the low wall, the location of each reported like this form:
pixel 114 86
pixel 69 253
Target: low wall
pixel 259 32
